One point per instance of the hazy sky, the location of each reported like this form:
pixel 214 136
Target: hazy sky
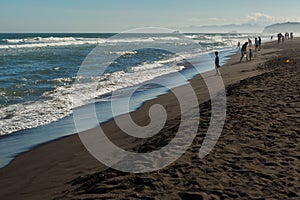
pixel 120 15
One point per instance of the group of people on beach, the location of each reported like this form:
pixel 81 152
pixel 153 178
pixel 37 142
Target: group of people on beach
pixel 286 36
pixel 246 49
pixel 244 53
pixel 248 46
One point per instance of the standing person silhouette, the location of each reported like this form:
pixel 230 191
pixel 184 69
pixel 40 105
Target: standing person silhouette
pixel 256 44
pixel 217 63
pixel 279 36
pixel 250 54
pixel 244 51
pixel 259 43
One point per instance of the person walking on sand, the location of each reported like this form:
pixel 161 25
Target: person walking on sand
pixel 239 45
pixel 217 63
pixel 291 35
pixel 259 43
pixel 256 44
pixel 244 51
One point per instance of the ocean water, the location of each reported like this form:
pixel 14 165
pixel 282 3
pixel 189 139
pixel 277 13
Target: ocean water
pixel 38 71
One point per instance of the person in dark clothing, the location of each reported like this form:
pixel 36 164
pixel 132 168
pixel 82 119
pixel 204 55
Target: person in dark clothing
pixel 291 35
pixel 244 51
pixel 259 43
pixel 256 44
pixel 217 63
pixel 279 36
pixel 287 36
pixel 250 54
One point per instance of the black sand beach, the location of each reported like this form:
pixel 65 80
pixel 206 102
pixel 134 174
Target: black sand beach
pixel 256 157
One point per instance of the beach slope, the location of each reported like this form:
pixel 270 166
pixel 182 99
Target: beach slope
pixel 256 157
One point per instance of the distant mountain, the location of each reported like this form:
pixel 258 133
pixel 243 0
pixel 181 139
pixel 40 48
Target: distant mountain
pixel 282 28
pixel 229 28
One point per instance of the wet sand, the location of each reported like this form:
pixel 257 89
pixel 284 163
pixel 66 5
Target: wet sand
pixel 256 157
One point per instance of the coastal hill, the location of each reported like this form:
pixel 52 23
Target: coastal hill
pixel 282 28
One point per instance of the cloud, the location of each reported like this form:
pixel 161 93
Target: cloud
pixel 194 19
pixel 292 19
pixel 257 18
pixel 265 18
pixel 216 19
pixel 260 17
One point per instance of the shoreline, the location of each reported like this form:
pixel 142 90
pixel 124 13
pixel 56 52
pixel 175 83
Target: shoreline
pixel 73 151
pixel 24 133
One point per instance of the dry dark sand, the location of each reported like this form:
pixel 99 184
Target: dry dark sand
pixel 256 157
